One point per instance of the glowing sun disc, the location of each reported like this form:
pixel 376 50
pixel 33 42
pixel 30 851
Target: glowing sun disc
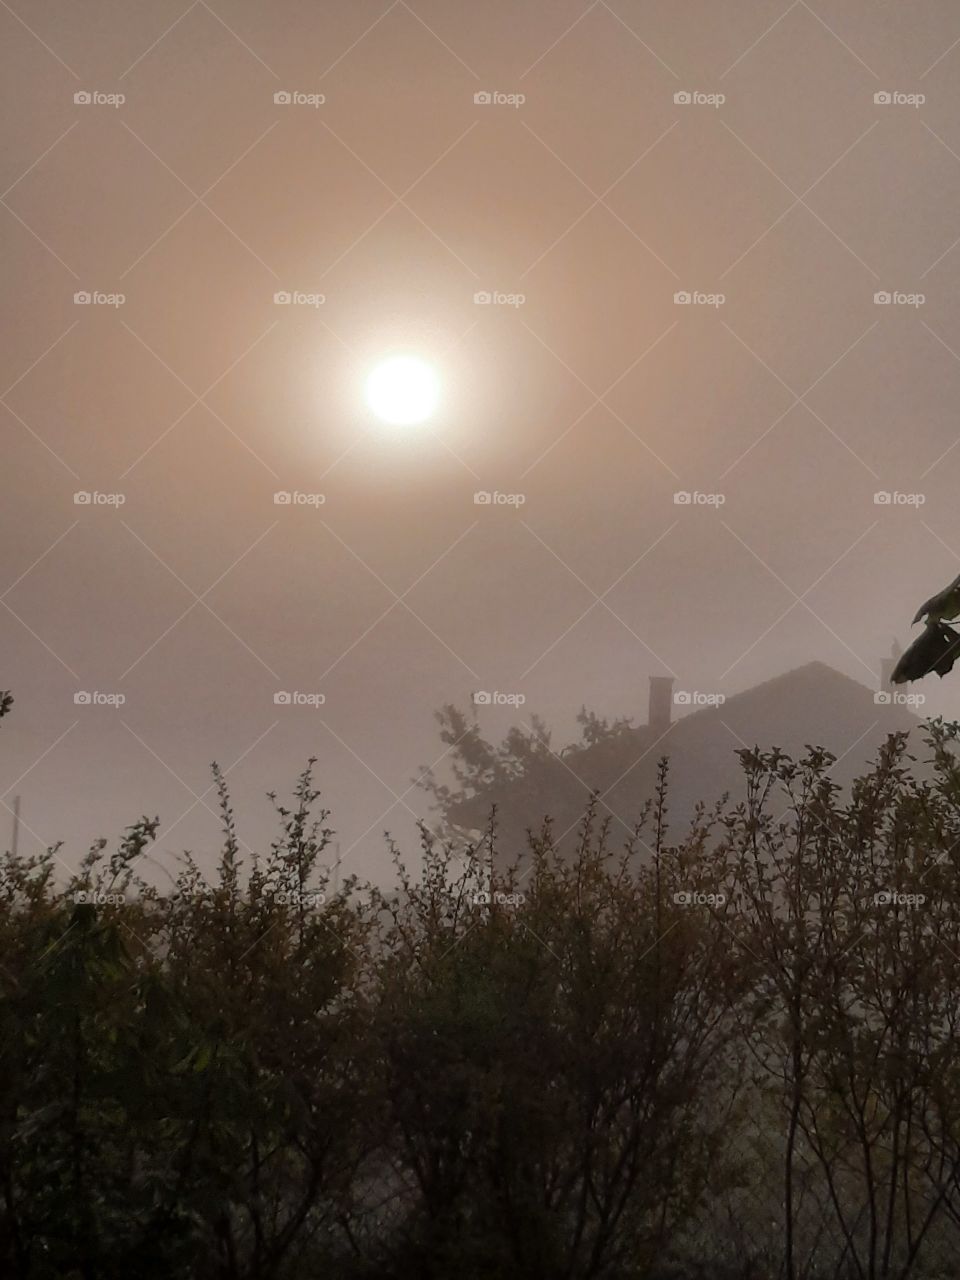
pixel 402 390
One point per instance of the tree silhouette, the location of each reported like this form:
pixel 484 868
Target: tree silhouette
pixel 735 1057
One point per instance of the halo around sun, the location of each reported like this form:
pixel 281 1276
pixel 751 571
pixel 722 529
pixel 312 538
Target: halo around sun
pixel 402 390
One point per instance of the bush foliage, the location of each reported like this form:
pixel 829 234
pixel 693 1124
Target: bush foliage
pixel 734 1052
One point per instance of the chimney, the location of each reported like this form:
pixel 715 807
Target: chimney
pixel 661 703
pixel 886 667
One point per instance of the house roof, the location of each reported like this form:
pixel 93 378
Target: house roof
pixel 812 705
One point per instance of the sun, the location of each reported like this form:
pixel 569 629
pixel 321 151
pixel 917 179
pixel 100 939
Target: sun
pixel 402 390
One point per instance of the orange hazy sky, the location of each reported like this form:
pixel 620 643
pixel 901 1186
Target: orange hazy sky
pixel 587 194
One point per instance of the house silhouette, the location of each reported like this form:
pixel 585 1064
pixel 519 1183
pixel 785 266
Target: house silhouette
pixel 810 706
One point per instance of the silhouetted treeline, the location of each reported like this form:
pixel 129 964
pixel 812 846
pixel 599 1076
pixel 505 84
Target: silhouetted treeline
pixel 728 1053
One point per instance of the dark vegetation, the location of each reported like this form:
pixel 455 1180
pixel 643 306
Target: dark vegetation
pixel 728 1053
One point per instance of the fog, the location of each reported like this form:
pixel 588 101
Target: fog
pixel 667 257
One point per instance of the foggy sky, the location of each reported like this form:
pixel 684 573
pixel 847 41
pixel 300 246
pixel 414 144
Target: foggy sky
pixel 597 399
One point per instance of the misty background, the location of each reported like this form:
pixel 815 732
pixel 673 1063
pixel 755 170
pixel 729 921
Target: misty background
pixel 597 399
